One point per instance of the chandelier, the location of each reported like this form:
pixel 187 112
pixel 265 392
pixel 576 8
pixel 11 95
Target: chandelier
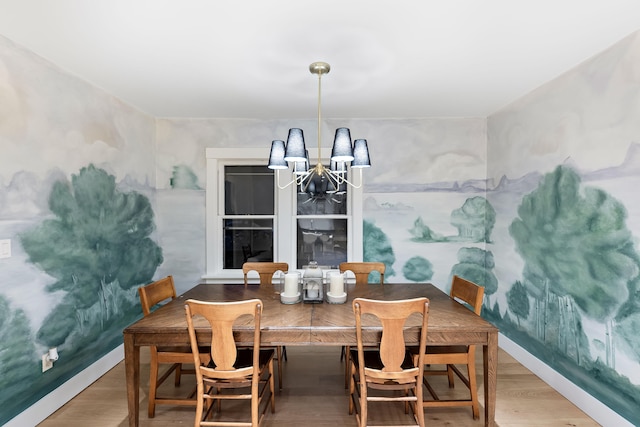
pixel 320 179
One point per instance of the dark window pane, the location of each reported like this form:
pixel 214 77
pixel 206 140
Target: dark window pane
pixel 247 240
pixel 322 240
pixel 322 204
pixel 248 190
pixel 321 196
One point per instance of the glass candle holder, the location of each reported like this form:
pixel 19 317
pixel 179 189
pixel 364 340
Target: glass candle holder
pixel 290 287
pixel 336 289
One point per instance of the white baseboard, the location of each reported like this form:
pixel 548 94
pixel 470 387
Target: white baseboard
pixel 50 403
pixel 583 400
pixel 591 406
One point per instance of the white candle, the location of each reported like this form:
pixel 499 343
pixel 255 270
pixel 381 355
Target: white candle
pixel 291 284
pixel 337 284
pixel 313 291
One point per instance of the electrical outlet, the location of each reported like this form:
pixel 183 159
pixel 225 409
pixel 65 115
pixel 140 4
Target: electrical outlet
pixel 46 363
pixel 5 248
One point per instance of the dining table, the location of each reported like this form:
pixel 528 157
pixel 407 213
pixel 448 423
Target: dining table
pixel 449 323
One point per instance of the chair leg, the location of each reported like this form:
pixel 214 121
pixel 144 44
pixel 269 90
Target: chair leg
pixel 347 367
pixel 178 375
pixel 279 352
pixel 272 387
pixel 450 375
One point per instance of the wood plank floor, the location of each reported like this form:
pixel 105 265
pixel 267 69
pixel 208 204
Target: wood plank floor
pixel 314 395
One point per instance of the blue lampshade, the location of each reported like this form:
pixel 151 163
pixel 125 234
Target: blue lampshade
pixel 276 156
pixel 295 151
pixel 342 149
pixel 360 154
pixel 300 168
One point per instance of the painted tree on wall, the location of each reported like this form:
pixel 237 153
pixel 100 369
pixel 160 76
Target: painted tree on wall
pixel 476 265
pixel 577 250
pixel 518 301
pixel 377 247
pixel 19 365
pixel 418 269
pixel 475 219
pixel 97 248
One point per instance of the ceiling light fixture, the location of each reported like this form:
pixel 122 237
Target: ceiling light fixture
pixel 320 179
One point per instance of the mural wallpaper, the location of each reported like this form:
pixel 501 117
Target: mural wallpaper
pixel 536 202
pixel 76 204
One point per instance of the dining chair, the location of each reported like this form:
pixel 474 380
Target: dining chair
pixel 469 294
pixel 233 373
pixel 266 270
pixel 361 271
pixel 387 373
pixel 151 295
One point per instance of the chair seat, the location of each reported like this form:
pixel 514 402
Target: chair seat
pixel 372 359
pixel 244 358
pixel 446 349
pixel 181 349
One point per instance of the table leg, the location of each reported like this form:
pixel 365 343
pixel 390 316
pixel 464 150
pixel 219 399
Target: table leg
pixel 132 370
pixel 490 358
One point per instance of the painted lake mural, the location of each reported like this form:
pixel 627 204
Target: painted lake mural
pixel 537 202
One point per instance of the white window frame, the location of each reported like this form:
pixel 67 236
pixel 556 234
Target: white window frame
pixel 284 245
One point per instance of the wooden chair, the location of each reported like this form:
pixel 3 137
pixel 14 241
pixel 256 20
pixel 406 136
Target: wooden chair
pixel 231 368
pixel 361 271
pixel 151 295
pixel 470 294
pixel 390 367
pixel 266 270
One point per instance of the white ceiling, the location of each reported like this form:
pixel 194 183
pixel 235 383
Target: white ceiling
pixel 250 58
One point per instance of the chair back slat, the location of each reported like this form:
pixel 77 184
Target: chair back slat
pixel 467 292
pixel 361 270
pixel 221 316
pixel 392 315
pixel 155 292
pixel 265 270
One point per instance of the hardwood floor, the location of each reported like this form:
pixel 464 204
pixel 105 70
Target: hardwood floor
pixel 314 395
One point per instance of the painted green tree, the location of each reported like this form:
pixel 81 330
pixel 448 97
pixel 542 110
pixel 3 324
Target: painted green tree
pixel 422 233
pixel 518 301
pixel 377 247
pixel 476 265
pixel 183 177
pixel 97 246
pixel 577 250
pixel 19 363
pixel 418 269
pixel 475 219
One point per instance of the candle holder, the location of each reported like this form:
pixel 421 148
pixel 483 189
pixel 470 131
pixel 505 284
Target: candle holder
pixel 337 291
pixel 290 289
pixel 312 287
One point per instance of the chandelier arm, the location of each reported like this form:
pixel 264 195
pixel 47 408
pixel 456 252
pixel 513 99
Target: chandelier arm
pixel 342 180
pixel 282 187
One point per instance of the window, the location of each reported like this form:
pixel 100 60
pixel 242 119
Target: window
pixel 249 218
pixel 249 211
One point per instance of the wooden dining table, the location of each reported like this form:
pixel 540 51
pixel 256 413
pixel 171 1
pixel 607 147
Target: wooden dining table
pixel 314 324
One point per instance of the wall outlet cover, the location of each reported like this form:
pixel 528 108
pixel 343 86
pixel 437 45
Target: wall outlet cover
pixel 46 363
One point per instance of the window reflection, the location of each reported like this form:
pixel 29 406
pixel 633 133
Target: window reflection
pixel 323 240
